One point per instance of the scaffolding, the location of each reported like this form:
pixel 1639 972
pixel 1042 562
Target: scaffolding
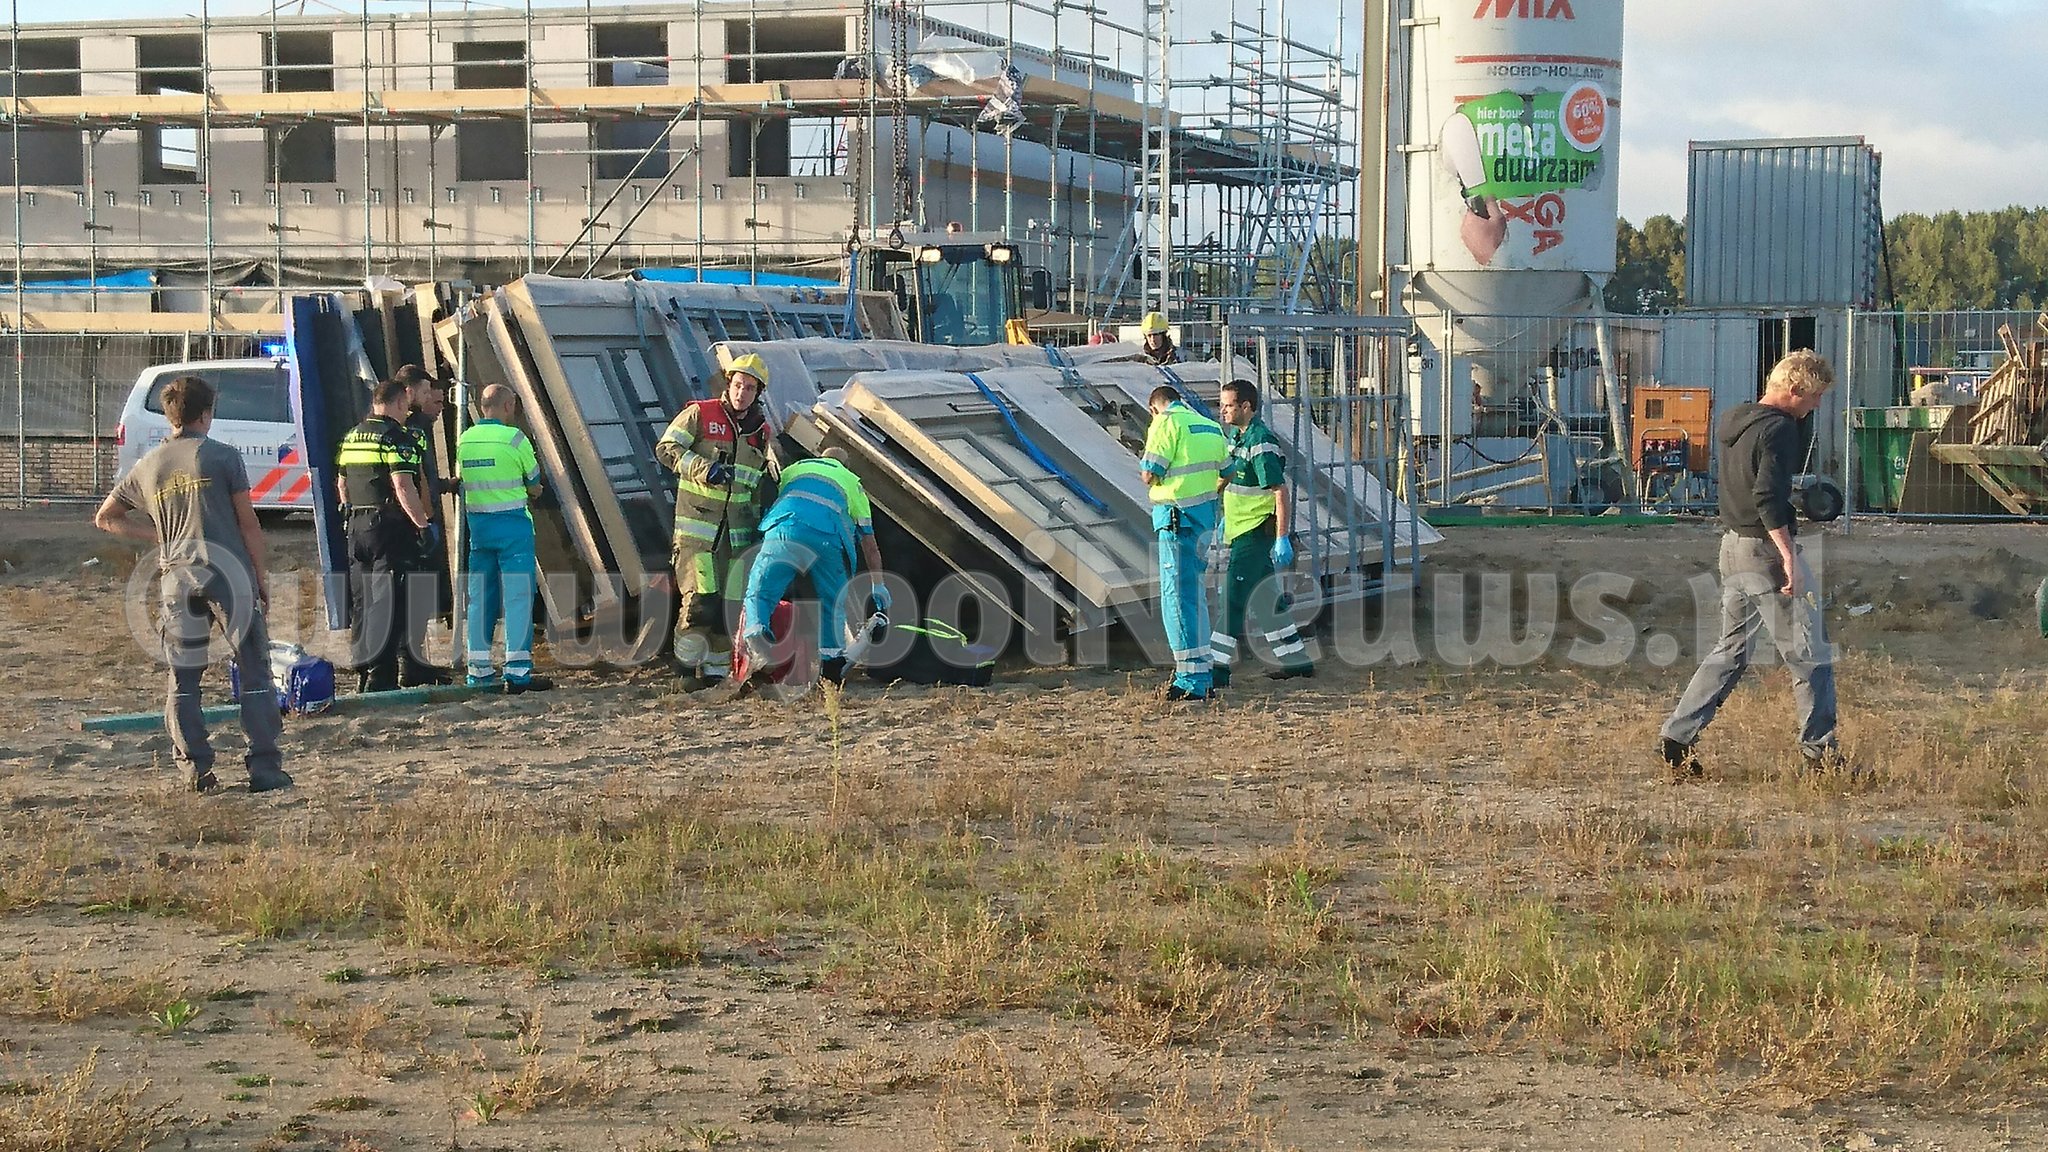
pixel 322 146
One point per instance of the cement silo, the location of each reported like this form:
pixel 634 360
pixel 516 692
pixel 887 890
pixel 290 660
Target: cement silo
pixel 1501 196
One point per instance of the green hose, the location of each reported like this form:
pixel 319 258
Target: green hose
pixel 2041 604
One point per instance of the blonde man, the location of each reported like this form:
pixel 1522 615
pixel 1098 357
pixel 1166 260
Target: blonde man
pixel 1763 578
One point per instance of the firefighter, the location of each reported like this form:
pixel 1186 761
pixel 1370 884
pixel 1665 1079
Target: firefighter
pixel 1257 518
pixel 817 525
pixel 386 515
pixel 1158 347
pixel 499 473
pixel 1182 467
pixel 718 449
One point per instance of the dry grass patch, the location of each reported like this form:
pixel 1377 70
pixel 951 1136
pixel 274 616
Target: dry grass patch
pixel 70 1113
pixel 68 994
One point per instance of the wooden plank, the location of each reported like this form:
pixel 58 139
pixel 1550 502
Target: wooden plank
pixel 549 105
pixel 148 323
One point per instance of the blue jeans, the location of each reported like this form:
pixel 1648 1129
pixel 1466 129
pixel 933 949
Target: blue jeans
pixel 501 580
pixel 786 550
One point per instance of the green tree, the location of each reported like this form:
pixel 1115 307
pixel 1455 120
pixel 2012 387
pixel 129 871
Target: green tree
pixel 1970 259
pixel 1649 266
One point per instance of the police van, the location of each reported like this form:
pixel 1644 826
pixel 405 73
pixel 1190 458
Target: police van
pixel 251 413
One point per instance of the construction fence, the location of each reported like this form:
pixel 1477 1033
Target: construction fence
pixel 1906 433
pixel 62 412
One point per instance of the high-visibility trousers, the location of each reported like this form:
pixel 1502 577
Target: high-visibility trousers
pixel 501 583
pixel 1184 597
pixel 788 550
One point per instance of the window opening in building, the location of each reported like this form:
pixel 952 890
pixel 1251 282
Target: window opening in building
pixel 299 62
pixel 169 64
pixel 491 149
pixel 629 55
pixel 784 48
pixel 44 67
pixel 817 146
pixel 757 147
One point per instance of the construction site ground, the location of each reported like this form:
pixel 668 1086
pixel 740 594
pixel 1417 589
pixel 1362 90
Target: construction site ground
pixel 1421 905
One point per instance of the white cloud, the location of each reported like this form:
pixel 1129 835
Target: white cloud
pixel 1928 82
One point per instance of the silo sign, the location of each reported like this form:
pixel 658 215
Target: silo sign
pixel 1523 96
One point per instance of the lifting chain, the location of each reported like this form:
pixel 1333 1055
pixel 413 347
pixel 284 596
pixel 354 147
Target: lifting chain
pixel 899 68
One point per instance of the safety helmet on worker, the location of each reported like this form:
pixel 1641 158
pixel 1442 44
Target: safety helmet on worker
pixel 1154 324
pixel 752 365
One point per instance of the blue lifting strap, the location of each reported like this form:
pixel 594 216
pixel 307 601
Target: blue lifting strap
pixel 1187 394
pixel 1036 454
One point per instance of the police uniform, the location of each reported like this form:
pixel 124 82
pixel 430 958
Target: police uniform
pixel 720 459
pixel 496 464
pixel 1253 475
pixel 383 547
pixel 1184 453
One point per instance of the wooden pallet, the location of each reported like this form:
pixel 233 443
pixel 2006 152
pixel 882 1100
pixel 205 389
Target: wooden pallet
pixel 2012 406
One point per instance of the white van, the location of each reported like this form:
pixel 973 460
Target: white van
pixel 252 413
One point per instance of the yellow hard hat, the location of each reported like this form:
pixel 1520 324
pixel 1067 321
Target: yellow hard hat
pixel 752 365
pixel 1154 324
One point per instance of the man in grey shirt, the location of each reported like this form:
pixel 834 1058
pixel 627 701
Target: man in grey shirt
pixel 195 494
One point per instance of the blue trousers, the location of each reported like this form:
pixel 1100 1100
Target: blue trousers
pixel 1183 593
pixel 501 580
pixel 786 550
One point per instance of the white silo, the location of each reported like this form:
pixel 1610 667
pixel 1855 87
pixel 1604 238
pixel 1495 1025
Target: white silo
pixel 1502 183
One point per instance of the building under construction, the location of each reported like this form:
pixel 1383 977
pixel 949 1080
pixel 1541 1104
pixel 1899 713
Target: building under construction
pixel 204 168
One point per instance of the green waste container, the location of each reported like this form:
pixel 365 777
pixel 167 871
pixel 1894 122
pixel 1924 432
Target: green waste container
pixel 1883 438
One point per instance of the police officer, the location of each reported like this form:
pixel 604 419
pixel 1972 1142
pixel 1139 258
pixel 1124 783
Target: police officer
pixel 387 516
pixel 718 449
pixel 1182 467
pixel 1257 516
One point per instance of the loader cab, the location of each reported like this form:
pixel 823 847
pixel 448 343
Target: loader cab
pixel 957 288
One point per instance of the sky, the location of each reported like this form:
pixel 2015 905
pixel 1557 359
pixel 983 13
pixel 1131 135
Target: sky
pixel 1938 87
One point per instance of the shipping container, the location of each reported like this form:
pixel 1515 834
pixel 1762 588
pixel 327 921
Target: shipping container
pixel 1783 224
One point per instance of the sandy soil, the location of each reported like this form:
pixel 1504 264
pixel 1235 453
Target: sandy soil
pixel 738 1051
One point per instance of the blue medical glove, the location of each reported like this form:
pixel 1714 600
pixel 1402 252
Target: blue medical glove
pixel 720 473
pixel 1283 552
pixel 879 596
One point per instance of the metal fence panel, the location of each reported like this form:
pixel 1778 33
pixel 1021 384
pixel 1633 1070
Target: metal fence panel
pixel 1916 445
pixel 65 399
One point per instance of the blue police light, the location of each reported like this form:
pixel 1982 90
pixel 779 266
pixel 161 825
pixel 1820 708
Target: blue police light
pixel 276 349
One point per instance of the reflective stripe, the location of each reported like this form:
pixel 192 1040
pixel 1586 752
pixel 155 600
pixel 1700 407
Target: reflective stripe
pixel 818 499
pixel 1247 490
pixel 1289 649
pixel 1155 461
pixel 1219 640
pixel 1189 470
pixel 696 530
pixel 1268 448
pixel 1189 501
pixel 1280 634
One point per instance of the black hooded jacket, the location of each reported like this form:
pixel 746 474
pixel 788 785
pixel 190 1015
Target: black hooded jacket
pixel 1759 453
